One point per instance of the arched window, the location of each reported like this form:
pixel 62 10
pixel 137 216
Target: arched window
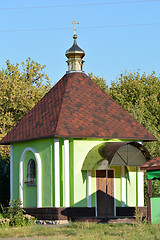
pixel 31 173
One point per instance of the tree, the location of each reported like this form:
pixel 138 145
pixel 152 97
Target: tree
pixel 22 86
pixel 100 81
pixel 140 96
pixel 4 182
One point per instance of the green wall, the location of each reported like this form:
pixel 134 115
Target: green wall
pixel 155 209
pixel 44 147
pixel 30 192
pixel 78 149
pixel 81 147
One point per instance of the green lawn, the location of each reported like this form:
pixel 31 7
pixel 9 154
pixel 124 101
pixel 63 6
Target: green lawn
pixel 87 231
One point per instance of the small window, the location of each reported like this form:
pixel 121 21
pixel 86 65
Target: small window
pixel 31 173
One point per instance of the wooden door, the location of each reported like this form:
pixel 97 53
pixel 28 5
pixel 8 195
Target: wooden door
pixel 110 193
pixel 105 193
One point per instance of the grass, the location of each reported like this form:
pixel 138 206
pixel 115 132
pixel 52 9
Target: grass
pixel 87 231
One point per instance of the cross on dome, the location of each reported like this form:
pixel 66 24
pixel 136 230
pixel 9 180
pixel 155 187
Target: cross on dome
pixel 75 54
pixel 75 23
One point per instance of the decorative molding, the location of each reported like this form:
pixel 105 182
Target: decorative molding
pixel 66 174
pixel 38 173
pixel 89 202
pixel 56 173
pixel 11 173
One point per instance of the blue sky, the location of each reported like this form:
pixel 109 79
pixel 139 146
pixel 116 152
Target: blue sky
pixel 110 33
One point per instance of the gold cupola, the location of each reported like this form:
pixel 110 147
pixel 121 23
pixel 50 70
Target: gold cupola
pixel 75 55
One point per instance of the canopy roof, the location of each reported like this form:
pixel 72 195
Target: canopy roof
pixel 153 164
pixel 76 107
pixel 153 174
pixel 107 154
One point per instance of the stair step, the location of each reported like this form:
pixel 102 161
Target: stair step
pixel 104 220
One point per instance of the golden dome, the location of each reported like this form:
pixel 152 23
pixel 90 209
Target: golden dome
pixel 75 51
pixel 75 55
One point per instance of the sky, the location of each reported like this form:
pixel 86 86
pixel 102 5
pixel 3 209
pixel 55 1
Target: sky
pixel 116 35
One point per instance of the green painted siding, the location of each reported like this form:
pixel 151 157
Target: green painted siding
pixel 30 192
pixel 155 209
pixel 78 150
pixel 44 147
pixel 81 147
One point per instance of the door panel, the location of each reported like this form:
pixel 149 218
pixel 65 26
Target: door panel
pixel 110 193
pixel 101 193
pixel 105 202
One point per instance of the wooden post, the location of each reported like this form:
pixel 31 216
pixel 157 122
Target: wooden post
pixel 106 195
pixel 149 196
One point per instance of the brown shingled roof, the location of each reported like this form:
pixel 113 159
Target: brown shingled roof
pixel 153 164
pixel 77 107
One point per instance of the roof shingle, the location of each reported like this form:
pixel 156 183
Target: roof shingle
pixel 77 107
pixel 153 164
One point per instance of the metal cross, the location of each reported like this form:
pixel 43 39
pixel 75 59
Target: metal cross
pixel 74 22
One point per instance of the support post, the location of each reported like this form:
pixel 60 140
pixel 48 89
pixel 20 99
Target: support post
pixel 56 172
pixel 95 194
pixel 123 187
pixel 89 203
pixel 66 174
pixel 149 196
pixel 140 191
pixel 106 195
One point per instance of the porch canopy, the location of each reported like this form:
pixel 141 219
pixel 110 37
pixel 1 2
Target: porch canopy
pixel 107 154
pixel 153 168
pixel 153 172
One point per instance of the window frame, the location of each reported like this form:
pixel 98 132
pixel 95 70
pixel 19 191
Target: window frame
pixel 31 173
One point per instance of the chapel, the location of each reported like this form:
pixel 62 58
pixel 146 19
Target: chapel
pixel 77 152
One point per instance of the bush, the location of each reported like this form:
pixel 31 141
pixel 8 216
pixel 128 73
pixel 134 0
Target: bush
pixel 4 222
pixel 4 182
pixel 16 216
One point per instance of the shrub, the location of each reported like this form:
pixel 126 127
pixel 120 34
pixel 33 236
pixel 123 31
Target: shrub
pixel 4 222
pixel 16 216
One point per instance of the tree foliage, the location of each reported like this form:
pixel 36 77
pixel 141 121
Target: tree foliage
pixel 100 81
pixel 4 182
pixel 140 96
pixel 22 86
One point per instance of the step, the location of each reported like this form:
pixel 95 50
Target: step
pixel 104 220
